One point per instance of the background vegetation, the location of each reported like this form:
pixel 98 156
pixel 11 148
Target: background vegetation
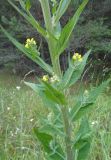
pixel 92 32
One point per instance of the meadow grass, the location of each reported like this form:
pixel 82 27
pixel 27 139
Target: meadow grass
pixel 20 111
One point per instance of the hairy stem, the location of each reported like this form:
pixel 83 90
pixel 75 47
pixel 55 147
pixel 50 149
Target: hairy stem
pixel 67 129
pixel 48 23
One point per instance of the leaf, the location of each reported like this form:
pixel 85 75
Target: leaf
pixel 83 152
pixel 63 5
pixel 96 91
pixel 40 91
pixel 82 108
pixel 73 73
pixel 82 111
pixel 67 30
pixel 44 138
pixel 52 130
pixel 55 153
pixel 32 55
pixel 57 31
pixel 29 18
pixel 84 129
pixel 54 94
pixel 52 124
pixel 83 140
pixel 47 91
pixel 28 5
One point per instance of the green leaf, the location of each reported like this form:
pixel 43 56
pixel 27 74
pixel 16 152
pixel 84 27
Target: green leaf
pixel 52 124
pixel 32 55
pixel 96 91
pixel 54 94
pixel 49 92
pixel 67 30
pixel 83 152
pixel 83 140
pixel 30 19
pixel 54 152
pixel 81 111
pixel 52 130
pixel 85 106
pixel 57 31
pixel 84 131
pixel 73 73
pixel 28 5
pixel 44 138
pixel 63 5
pixel 39 90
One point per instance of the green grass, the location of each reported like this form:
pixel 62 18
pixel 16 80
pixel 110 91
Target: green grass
pixel 101 145
pixel 20 111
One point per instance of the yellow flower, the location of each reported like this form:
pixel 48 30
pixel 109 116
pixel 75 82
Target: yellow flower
pixel 45 78
pixel 80 59
pixel 74 57
pixel 77 54
pixel 77 57
pixel 30 42
pixel 26 46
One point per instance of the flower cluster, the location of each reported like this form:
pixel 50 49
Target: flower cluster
pixel 52 79
pixel 30 43
pixel 77 57
pixel 45 78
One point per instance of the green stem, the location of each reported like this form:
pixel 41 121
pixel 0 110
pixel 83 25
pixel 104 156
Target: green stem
pixel 67 129
pixel 48 23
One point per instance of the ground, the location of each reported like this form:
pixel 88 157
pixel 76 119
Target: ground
pixel 20 111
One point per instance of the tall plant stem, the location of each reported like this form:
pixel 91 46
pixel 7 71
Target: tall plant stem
pixel 67 129
pixel 48 23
